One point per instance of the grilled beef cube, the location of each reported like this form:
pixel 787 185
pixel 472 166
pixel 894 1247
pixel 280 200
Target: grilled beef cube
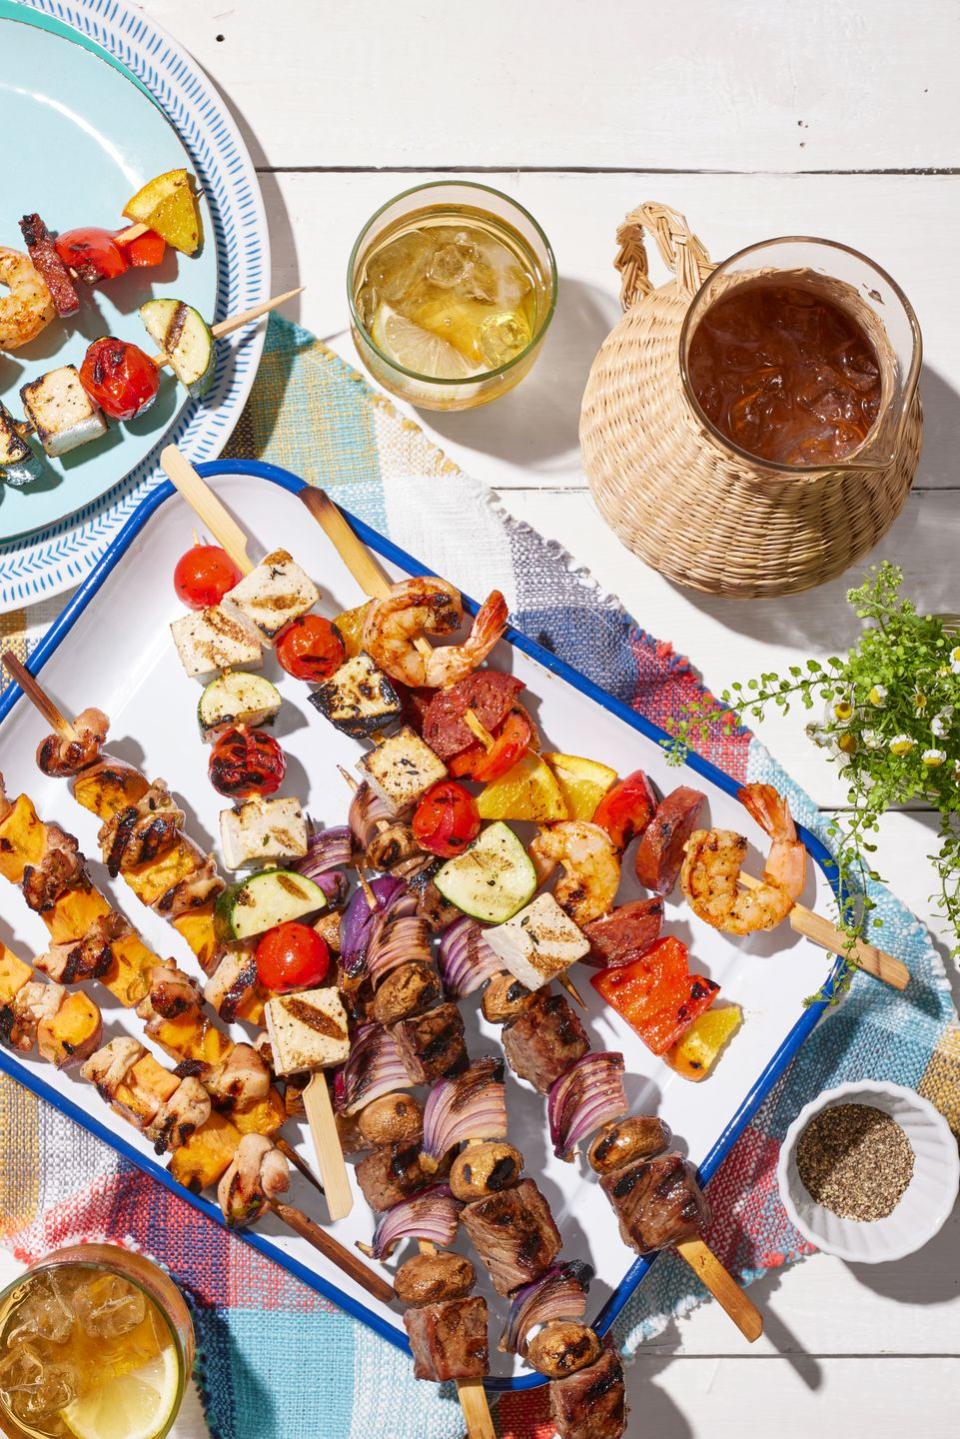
pixel 358 698
pixel 590 1404
pixel 544 1040
pixel 407 990
pixel 658 1202
pixel 449 1341
pixel 514 1234
pixel 432 1045
pixel 392 1173
pixel 639 1136
pixel 432 1278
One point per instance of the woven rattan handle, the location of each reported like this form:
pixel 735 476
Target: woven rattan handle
pixel 679 246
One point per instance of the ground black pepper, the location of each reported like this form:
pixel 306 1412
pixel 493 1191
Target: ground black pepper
pixel 855 1160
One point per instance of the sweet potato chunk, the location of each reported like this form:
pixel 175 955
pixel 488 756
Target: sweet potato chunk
pixel 73 1033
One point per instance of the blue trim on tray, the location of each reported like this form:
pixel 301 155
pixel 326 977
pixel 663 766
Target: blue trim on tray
pixel 389 551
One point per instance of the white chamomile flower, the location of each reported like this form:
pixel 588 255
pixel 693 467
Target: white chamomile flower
pixel 919 702
pixel 872 738
pixel 933 758
pixel 940 724
pixel 878 695
pixel 955 660
pixel 901 744
pixel 841 711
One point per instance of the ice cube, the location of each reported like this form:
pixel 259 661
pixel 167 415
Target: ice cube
pixel 45 1312
pixel 450 266
pixel 55 1389
pixel 502 336
pixel 394 270
pixel 109 1306
pixel 19 1368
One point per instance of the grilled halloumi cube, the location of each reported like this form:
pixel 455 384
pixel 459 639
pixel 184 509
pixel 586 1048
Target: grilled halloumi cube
pixel 274 593
pixel 212 639
pixel 307 1030
pixel 402 769
pixel 358 698
pixel 538 943
pixel 261 831
pixel 61 411
pixel 18 463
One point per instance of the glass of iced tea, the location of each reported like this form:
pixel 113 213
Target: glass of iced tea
pixel 451 288
pixel 95 1343
pixel 802 355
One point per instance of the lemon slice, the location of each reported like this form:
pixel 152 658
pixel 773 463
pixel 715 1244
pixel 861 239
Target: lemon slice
pixel 128 1406
pixel 417 349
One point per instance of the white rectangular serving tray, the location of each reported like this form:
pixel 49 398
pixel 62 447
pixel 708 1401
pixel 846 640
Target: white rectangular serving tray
pixel 112 648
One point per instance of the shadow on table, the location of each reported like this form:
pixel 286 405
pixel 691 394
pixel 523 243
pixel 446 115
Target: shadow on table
pixel 927 1277
pixel 537 423
pixel 652 1411
pixel 923 540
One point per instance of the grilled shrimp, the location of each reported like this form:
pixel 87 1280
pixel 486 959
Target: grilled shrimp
pixel 591 865
pixel 428 606
pixel 28 308
pixel 714 858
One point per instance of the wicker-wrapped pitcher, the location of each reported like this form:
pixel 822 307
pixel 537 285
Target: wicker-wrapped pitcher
pixel 692 505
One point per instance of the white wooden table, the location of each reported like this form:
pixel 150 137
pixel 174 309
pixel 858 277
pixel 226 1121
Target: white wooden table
pixel 754 119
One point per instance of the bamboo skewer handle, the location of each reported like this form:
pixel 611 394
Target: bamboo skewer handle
pixel 865 956
pixel 237 322
pixel 344 1258
pixel 326 1145
pixel 364 566
pixel 724 1288
pixel 470 1392
pixel 212 514
pixel 38 697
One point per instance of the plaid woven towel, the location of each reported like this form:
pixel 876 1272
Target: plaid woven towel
pixel 275 1358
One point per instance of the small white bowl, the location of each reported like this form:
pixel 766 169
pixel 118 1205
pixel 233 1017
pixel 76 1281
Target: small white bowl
pixel 926 1202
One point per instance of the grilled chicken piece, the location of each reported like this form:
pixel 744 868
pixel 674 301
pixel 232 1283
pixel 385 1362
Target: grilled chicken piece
pixel 242 1078
pixel 590 1404
pixel 172 994
pixel 87 958
pixel 205 883
pixel 20 1018
pixel 391 1173
pixel 449 1340
pixel 61 866
pixel 183 1113
pixel 657 1201
pixel 431 1278
pixel 142 831
pixel 257 1174
pixel 64 757
pixel 544 1040
pixel 432 1045
pixel 231 981
pixel 108 1067
pixel 514 1234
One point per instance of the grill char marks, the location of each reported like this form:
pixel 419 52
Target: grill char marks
pixel 514 1234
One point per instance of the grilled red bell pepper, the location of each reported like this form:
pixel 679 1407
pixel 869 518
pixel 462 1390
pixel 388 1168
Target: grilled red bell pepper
pixel 627 809
pixel 146 250
pixel 656 994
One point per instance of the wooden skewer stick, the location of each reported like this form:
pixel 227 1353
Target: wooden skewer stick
pixel 344 1258
pixel 237 322
pixel 131 233
pixel 38 697
pixel 288 1151
pixel 865 956
pixel 316 1097
pixel 724 1288
pixel 375 582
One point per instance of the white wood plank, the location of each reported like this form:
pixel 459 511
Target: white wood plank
pixel 530 436
pixel 742 86
pixel 792 1398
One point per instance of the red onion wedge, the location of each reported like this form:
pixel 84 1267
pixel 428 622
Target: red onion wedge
pixel 373 1068
pixel 466 960
pixel 471 1106
pixel 561 1293
pixel 431 1215
pixel 588 1095
pixel 367 810
pixel 398 936
pixel 326 849
pixel 358 923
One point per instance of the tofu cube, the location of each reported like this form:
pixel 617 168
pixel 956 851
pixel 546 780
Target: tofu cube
pixel 402 769
pixel 61 411
pixel 358 698
pixel 262 830
pixel 307 1030
pixel 273 594
pixel 538 943
pixel 211 639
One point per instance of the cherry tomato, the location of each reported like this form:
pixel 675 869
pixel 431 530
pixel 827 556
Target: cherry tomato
pixel 446 820
pixel 292 956
pixel 120 378
pixel 311 648
pixel 146 250
pixel 204 575
pixel 627 809
pixel 93 253
pixel 245 762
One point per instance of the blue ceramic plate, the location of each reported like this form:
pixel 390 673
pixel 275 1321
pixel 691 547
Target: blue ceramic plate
pixel 76 93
